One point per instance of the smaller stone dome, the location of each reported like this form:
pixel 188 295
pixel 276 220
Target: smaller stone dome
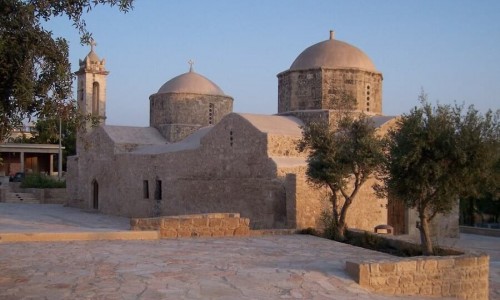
pixel 92 56
pixel 333 54
pixel 192 83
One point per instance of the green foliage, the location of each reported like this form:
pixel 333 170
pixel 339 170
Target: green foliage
pixel 439 154
pixel 342 157
pixel 329 225
pixel 40 181
pixel 35 74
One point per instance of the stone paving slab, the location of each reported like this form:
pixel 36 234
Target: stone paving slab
pixel 271 267
pixel 16 217
pixel 274 267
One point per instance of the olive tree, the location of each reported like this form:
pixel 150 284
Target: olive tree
pixel 341 157
pixel 437 154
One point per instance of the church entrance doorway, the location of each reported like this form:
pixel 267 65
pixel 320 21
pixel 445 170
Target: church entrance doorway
pixel 95 194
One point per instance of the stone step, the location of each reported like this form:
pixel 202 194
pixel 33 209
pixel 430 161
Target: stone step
pixel 21 198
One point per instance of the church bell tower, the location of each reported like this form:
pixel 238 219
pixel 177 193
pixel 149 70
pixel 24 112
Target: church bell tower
pixel 92 86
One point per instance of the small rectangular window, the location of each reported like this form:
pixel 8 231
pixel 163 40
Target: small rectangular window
pixel 145 189
pixel 158 190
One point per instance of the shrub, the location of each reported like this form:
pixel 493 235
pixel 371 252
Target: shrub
pixel 39 181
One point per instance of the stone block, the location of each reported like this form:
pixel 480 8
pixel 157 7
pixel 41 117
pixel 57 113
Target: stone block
pixel 393 281
pixel 426 290
pixel 466 286
pixel 204 232
pixel 410 289
pixel 183 232
pixel 483 260
pixel 406 280
pixel 244 222
pixel 430 265
pixel 170 223
pixel 364 275
pixel 387 267
pixel 388 290
pixel 445 289
pixel 374 269
pixel 168 233
pixel 378 282
pixel 217 232
pixel 451 275
pixel 407 266
pixel 473 274
pixel 228 232
pixel 200 222
pixel 231 223
pixel 484 284
pixel 436 290
pixel 185 223
pixel 447 263
pixel 215 222
pixel 242 231
pixel 419 278
pixel 465 262
pixel 454 288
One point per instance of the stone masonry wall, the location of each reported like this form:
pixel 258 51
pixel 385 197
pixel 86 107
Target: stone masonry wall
pixel 365 87
pixel 305 204
pixel 181 109
pixel 203 225
pixel 319 88
pixel 460 276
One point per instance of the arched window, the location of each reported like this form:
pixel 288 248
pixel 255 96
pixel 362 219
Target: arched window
pixel 95 99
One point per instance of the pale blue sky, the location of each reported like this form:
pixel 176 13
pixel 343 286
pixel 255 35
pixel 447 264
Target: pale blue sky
pixel 451 48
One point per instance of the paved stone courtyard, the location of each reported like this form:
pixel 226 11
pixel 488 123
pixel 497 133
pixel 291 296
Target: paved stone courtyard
pixel 272 267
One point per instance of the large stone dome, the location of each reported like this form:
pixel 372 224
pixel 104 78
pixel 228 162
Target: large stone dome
pixel 192 83
pixel 333 54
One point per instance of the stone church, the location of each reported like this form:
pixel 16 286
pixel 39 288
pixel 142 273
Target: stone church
pixel 198 156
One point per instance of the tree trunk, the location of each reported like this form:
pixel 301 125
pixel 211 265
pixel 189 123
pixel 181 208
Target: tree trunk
pixel 425 236
pixel 339 232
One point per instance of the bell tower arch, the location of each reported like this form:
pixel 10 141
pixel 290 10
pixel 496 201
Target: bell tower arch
pixel 91 78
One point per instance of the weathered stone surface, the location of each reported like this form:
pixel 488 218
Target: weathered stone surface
pixel 320 88
pixel 456 276
pixel 176 115
pixel 202 225
pixel 387 267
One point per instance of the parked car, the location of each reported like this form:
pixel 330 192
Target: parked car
pixel 18 177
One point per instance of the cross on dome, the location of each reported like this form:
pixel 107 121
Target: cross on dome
pixel 191 63
pixel 92 44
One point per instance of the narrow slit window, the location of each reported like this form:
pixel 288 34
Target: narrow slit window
pixel 158 190
pixel 145 189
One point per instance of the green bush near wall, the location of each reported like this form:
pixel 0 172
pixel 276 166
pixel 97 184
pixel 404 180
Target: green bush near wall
pixel 39 181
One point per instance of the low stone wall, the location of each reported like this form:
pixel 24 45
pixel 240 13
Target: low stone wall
pixel 49 196
pixel 203 225
pixel 460 276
